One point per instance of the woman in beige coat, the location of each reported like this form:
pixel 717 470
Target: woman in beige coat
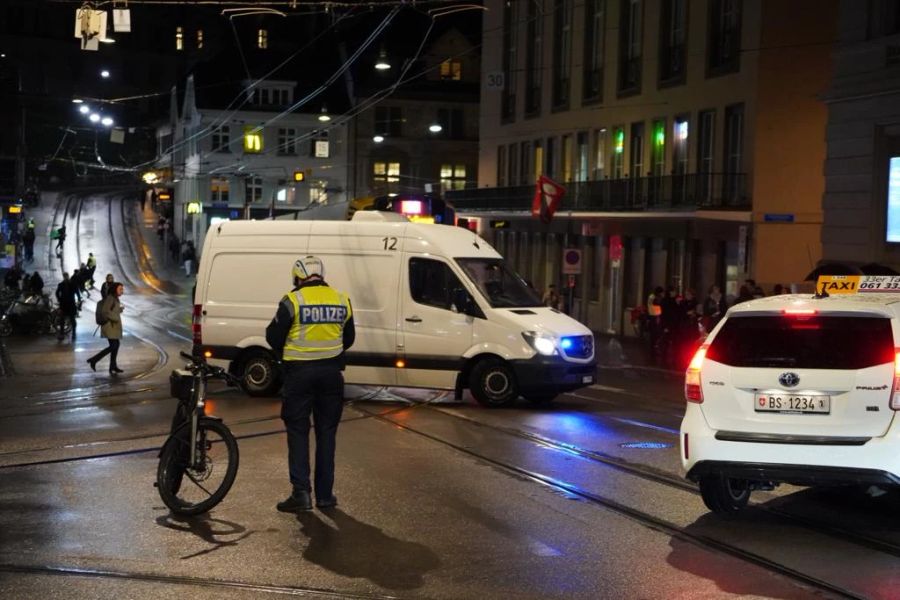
pixel 110 312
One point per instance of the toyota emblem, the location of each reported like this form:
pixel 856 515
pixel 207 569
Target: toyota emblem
pixel 788 379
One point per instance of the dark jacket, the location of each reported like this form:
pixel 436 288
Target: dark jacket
pixel 65 295
pixel 280 327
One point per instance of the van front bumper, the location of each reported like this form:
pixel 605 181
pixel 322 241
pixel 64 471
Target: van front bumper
pixel 542 375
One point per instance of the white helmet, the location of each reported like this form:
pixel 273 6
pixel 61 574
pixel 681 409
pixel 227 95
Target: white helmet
pixel 308 266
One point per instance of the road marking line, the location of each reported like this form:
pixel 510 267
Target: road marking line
pixel 606 388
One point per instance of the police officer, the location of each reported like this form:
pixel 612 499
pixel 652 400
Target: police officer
pixel 311 330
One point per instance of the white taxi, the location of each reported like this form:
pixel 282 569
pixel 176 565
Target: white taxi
pixel 798 389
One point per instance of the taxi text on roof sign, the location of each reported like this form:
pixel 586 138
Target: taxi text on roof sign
pixel 857 284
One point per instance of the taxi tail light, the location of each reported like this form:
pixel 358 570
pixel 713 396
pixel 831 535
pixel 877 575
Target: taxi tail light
pixel 693 391
pixel 895 391
pixel 195 324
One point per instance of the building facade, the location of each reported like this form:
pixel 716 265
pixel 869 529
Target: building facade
pixel 424 134
pixel 862 172
pixel 688 135
pixel 251 162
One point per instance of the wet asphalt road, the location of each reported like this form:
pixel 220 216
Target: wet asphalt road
pixel 583 498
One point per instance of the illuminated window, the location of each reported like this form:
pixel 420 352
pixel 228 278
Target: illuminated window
pixel 199 39
pixel 386 172
pixel 254 189
pixel 221 139
pixel 253 140
pixel 262 39
pixel 287 141
pixel 218 189
pixel 453 177
pixel 451 70
pixel 179 38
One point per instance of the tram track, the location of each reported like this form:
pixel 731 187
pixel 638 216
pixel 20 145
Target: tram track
pixel 643 517
pixel 186 580
pixel 679 483
pixel 545 480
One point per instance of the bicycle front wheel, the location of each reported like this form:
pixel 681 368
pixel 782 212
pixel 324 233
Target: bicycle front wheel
pixel 192 489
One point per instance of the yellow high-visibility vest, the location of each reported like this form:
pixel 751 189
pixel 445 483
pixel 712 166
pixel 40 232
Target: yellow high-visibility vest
pixel 320 314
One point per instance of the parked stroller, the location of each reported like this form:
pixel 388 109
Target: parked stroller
pixel 34 314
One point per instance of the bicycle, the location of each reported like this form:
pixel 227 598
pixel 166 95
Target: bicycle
pixel 190 477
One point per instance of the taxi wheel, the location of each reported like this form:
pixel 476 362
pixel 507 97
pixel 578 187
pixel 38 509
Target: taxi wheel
pixel 259 374
pixel 493 383
pixel 724 495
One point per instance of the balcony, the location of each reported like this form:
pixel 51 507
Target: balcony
pixel 695 191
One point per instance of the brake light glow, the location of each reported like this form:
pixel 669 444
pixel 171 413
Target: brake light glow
pixel 693 391
pixel 895 392
pixel 411 207
pixel 800 312
pixel 195 324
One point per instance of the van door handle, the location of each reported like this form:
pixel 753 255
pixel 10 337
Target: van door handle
pixel 414 319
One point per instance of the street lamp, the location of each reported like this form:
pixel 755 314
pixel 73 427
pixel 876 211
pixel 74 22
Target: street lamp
pixel 84 109
pixel 77 100
pixel 107 121
pixel 324 117
pixel 435 128
pixel 378 139
pixel 104 74
pixel 94 117
pixel 382 63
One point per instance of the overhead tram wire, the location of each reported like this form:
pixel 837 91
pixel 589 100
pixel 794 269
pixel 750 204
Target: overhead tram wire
pixel 324 86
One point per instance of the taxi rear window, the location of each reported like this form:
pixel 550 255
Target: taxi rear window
pixel 819 342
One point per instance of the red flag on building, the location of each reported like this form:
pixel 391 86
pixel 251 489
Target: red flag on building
pixel 547 197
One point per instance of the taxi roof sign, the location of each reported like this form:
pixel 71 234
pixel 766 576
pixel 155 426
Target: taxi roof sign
pixel 857 284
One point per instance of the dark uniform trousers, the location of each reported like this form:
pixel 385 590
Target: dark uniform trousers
pixel 318 389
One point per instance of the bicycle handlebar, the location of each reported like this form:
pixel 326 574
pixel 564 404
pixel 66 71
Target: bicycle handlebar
pixel 199 363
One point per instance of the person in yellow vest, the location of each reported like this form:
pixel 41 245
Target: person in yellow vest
pixel 311 330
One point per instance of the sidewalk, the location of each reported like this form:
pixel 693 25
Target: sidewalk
pixel 615 352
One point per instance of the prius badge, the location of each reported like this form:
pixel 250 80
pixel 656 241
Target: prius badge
pixel 788 379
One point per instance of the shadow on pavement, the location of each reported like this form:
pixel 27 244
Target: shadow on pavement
pixel 732 575
pixel 354 549
pixel 204 527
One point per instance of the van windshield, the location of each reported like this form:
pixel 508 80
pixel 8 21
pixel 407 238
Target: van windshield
pixel 500 285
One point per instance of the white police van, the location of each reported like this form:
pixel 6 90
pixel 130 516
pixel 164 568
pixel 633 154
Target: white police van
pixel 797 389
pixel 435 306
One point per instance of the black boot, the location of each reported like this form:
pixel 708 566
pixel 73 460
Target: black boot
pixel 296 502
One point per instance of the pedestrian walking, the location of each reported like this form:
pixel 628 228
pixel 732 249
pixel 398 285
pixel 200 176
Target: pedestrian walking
pixel 91 266
pixel 79 276
pixel 174 247
pixel 311 330
pixel 65 296
pixel 28 242
pixel 189 256
pixel 109 317
pixel 106 288
pixel 60 240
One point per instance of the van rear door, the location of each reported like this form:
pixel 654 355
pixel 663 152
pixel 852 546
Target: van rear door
pixel 815 375
pixel 434 336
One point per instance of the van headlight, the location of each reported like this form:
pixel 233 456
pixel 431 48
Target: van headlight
pixel 542 343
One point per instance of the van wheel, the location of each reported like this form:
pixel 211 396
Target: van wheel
pixel 259 374
pixel 724 495
pixel 493 384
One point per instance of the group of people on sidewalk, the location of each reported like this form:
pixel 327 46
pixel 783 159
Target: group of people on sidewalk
pixel 674 322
